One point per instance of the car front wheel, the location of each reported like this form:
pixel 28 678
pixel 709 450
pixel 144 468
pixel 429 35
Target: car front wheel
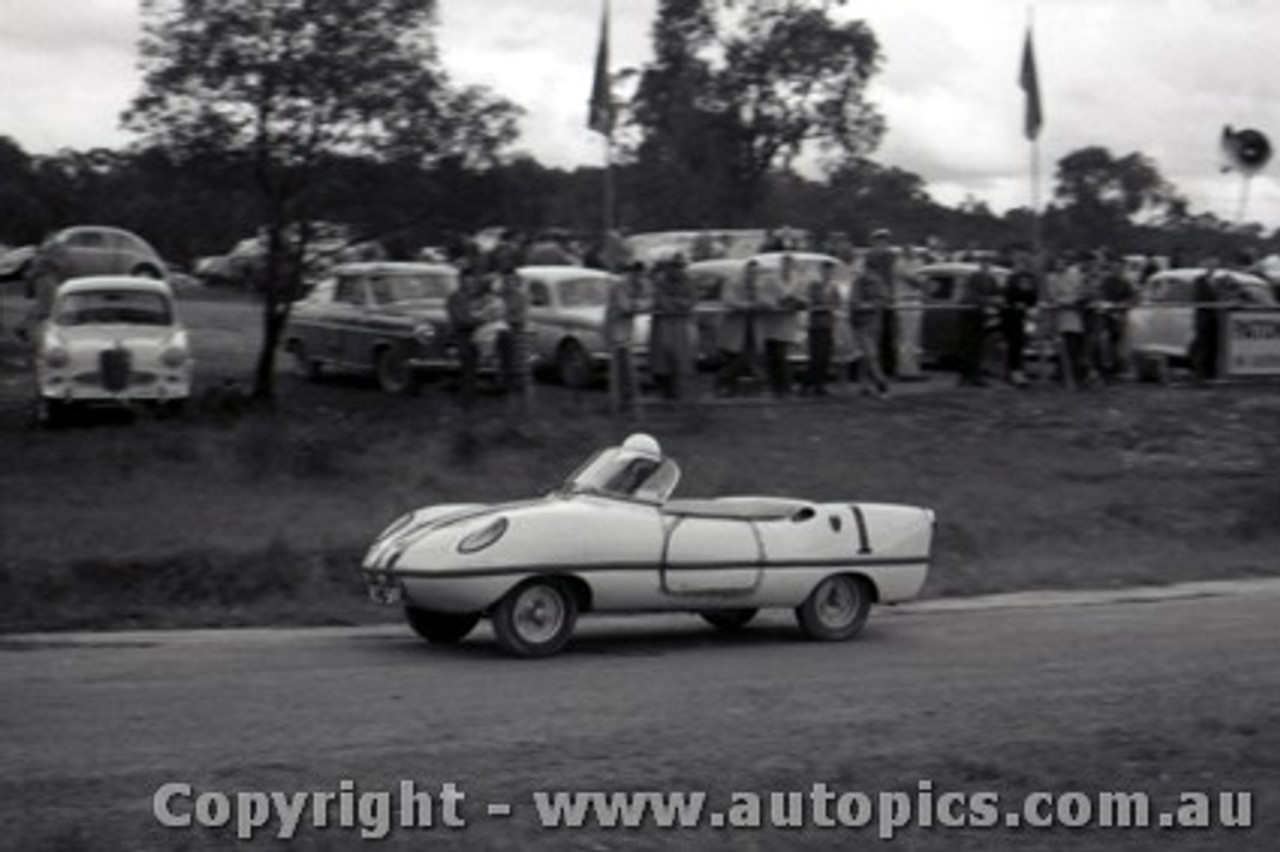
pixel 303 364
pixel 728 619
pixel 441 628
pixel 394 374
pixel 573 365
pixel 536 619
pixel 836 609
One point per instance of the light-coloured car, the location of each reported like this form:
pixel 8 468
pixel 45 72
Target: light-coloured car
pixel 90 250
pixel 110 340
pixel 566 321
pixel 711 277
pixel 384 318
pixel 1161 326
pixel 612 539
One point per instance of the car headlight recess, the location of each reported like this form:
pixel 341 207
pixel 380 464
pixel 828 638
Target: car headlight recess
pixel 483 537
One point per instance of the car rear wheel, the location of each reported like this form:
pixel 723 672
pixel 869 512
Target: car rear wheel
pixel 393 372
pixel 728 619
pixel 52 413
pixel 836 609
pixel 536 619
pixel 303 364
pixel 573 365
pixel 441 628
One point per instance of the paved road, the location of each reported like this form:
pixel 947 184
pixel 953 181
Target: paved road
pixel 1163 692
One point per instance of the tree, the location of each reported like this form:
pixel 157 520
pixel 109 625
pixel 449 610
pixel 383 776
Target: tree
pixel 1100 196
pixel 288 87
pixel 740 87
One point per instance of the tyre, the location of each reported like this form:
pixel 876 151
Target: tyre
pixel 393 372
pixel 728 619
pixel 303 364
pixel 995 356
pixel 836 609
pixel 441 628
pixel 536 619
pixel 52 413
pixel 573 365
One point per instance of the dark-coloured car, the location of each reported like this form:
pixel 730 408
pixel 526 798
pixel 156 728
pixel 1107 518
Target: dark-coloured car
pixel 384 318
pixel 940 339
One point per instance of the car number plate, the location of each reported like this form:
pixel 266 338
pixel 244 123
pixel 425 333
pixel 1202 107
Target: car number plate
pixel 384 594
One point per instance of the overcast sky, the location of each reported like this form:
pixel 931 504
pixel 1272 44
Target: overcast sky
pixel 1159 77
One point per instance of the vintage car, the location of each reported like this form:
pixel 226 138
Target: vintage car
pixel 711 276
pixel 566 321
pixel 1161 326
pixel 85 250
pixel 611 539
pixel 384 318
pixel 110 340
pixel 942 285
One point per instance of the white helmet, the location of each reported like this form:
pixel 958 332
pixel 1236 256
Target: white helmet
pixel 642 443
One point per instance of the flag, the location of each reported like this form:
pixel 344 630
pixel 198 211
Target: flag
pixel 1030 84
pixel 600 107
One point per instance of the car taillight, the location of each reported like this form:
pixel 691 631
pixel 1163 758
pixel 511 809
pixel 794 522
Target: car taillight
pixel 56 357
pixel 173 356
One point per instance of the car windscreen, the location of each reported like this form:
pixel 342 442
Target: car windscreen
pixel 618 472
pixel 584 292
pixel 388 289
pixel 133 307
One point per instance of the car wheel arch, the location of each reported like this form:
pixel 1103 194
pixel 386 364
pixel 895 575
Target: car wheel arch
pixel 581 590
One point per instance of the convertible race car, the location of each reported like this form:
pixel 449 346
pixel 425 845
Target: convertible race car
pixel 611 539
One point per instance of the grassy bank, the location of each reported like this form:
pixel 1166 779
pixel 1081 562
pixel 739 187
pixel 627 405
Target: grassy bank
pixel 230 519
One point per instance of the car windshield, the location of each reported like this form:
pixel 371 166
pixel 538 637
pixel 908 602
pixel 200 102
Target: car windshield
pixel 408 288
pixel 584 292
pixel 624 473
pixel 113 306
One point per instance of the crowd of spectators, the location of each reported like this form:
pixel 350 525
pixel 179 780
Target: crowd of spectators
pixel 1070 311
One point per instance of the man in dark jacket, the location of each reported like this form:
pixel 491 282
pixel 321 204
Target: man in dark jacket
pixel 1021 293
pixel 980 293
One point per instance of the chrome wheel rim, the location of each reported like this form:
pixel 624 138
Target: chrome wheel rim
pixel 538 615
pixel 837 603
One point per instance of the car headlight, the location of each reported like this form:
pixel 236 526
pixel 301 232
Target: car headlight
pixel 424 333
pixel 56 357
pixel 484 537
pixel 173 356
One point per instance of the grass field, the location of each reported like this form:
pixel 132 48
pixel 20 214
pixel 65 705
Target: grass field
pixel 260 518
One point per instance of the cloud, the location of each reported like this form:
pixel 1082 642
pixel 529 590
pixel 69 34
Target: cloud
pixel 1156 76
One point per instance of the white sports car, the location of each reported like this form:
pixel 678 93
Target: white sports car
pixel 611 540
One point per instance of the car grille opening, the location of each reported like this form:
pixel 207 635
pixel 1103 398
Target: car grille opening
pixel 115 366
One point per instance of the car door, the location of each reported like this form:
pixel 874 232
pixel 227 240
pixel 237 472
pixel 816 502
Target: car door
pixel 542 311
pixel 709 555
pixel 939 327
pixel 1173 320
pixel 345 328
pixel 91 253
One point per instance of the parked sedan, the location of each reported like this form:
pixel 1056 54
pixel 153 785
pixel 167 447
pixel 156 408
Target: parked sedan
pixel 90 250
pixel 566 321
pixel 110 340
pixel 940 335
pixel 384 318
pixel 1161 326
pixel 711 277
pixel 612 539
